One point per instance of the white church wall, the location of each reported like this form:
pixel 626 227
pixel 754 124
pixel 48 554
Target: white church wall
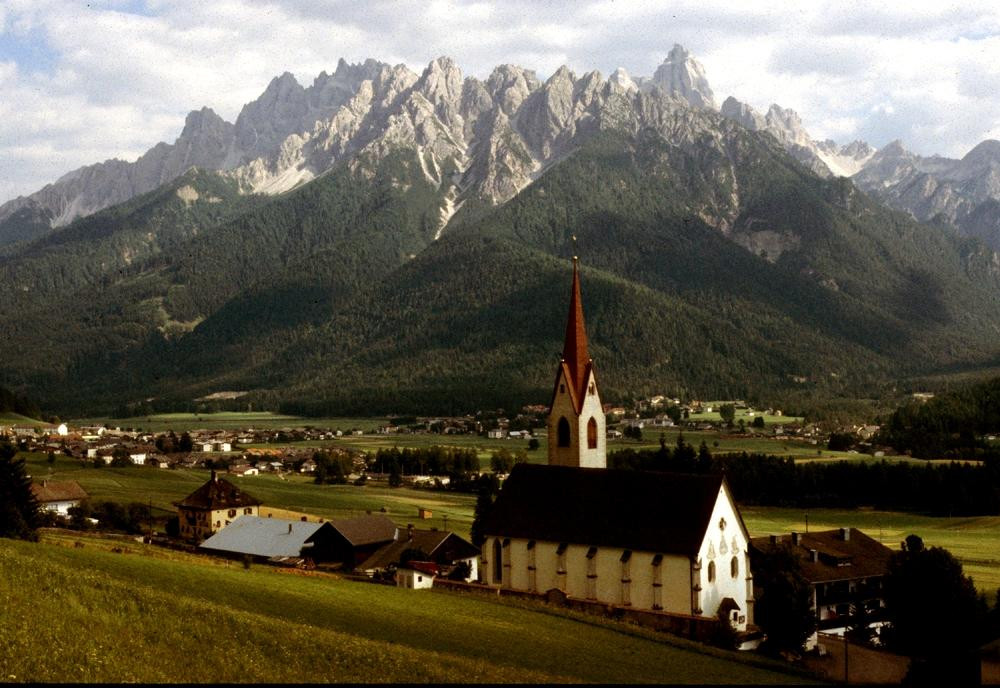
pixel 721 546
pixel 675 574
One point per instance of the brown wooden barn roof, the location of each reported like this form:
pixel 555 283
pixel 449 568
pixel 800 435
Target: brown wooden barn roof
pixel 859 556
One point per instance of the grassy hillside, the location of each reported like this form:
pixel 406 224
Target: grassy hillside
pixel 155 618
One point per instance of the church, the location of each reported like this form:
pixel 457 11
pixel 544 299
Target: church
pixel 667 542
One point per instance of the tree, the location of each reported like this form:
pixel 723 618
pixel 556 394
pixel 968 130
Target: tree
pixel 184 444
pixel 533 444
pixel 502 461
pixel 19 510
pixel 758 422
pixel 935 614
pixel 727 412
pixel 859 620
pixel 487 488
pixel 784 607
pixel 395 474
pixel 51 458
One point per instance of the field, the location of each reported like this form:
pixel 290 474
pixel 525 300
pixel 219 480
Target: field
pixel 158 616
pixel 975 541
pixel 182 422
pixel 11 418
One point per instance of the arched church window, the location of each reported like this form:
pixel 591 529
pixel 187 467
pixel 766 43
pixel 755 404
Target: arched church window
pixel 592 389
pixel 563 432
pixel 734 567
pixel 711 572
pixel 497 561
pixel 592 434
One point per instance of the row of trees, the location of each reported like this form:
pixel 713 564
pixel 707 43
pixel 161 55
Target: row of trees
pixel 450 461
pixel 942 489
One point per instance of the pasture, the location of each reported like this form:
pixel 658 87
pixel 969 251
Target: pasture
pixel 171 618
pixel 227 420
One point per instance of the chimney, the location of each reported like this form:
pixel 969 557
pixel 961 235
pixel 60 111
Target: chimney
pixel 845 534
pixel 774 539
pixel 44 483
pixel 215 478
pixel 289 528
pixel 796 539
pixel 409 531
pixel 813 556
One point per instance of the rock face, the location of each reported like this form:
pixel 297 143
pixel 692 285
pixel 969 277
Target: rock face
pixel 825 158
pixel 683 76
pixel 961 193
pixel 474 139
pixel 487 140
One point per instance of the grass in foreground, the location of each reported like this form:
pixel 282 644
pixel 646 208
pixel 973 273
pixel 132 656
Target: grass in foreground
pixel 90 615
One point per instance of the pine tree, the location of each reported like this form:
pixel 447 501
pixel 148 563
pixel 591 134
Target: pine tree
pixel 19 510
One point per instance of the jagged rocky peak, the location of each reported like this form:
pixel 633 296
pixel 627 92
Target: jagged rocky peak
pixel 441 81
pixel 621 78
pixel 984 152
pixel 743 114
pixel 509 85
pixel 683 76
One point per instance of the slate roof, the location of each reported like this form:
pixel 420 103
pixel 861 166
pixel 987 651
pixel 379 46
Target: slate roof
pixel 366 530
pixel 50 491
pixel 860 556
pixel 217 493
pixel 440 546
pixel 641 510
pixel 264 537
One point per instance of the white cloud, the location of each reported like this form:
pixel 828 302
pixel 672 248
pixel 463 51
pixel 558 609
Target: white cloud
pixel 117 80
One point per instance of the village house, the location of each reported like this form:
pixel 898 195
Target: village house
pixel 275 539
pixel 58 497
pixel 840 565
pixel 444 549
pixel 417 575
pixel 650 541
pixel 212 507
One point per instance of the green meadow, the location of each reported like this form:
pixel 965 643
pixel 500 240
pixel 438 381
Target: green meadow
pixel 183 422
pixel 87 614
pixel 974 540
pixel 11 418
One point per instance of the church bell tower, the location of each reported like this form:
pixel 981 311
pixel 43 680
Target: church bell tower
pixel 576 426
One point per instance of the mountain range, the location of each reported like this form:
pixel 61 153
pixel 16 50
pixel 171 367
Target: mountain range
pixel 390 241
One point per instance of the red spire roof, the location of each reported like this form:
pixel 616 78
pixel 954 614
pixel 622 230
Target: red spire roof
pixel 575 348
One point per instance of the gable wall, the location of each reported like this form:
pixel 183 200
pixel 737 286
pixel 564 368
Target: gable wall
pixel 721 546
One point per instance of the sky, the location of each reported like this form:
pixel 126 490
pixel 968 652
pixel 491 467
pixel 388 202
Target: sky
pixel 83 82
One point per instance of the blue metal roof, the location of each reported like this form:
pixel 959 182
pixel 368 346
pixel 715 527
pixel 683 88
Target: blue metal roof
pixel 264 537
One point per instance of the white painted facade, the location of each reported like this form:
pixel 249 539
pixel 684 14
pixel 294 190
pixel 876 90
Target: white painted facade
pixel 587 446
pixel 725 563
pixel 637 579
pixel 61 507
pixel 414 580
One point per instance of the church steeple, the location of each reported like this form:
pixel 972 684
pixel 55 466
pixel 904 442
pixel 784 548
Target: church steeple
pixel 575 347
pixel 576 423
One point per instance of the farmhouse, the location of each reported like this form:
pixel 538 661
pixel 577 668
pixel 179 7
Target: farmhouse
pixel 58 497
pixel 841 565
pixel 444 549
pixel 360 537
pixel 650 541
pixel 212 507
pixel 274 539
